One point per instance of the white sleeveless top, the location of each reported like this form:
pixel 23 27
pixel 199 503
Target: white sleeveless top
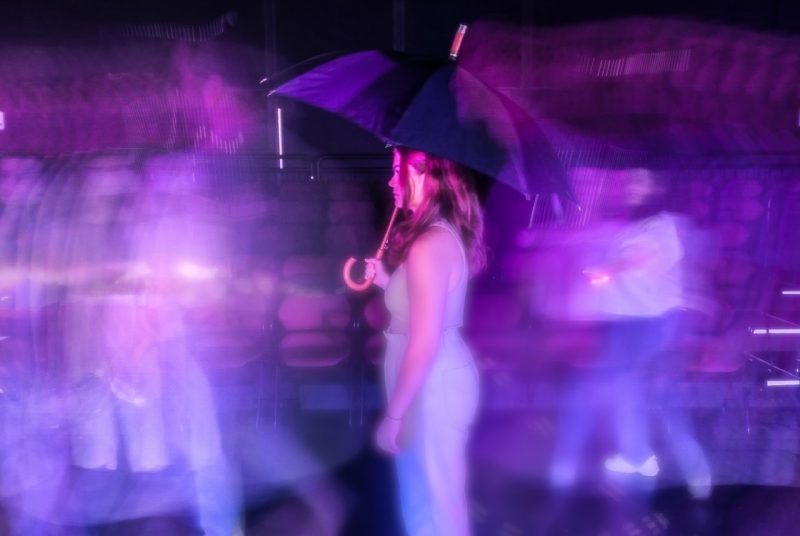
pixel 396 294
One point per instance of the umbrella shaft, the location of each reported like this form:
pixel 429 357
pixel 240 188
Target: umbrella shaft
pixel 385 241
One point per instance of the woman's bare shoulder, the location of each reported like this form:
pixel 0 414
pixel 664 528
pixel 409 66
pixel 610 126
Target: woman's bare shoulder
pixel 437 243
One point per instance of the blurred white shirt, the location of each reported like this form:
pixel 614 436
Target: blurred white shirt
pixel 652 284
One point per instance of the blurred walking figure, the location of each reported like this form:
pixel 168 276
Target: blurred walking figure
pixel 635 286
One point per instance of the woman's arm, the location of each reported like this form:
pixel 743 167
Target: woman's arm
pixel 656 248
pixel 428 269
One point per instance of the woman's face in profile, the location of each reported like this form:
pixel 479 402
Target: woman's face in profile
pixel 408 177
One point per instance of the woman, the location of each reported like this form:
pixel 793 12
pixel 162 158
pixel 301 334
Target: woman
pixel 430 377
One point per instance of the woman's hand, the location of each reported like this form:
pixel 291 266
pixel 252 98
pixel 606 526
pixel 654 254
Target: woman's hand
pixel 377 271
pixel 387 436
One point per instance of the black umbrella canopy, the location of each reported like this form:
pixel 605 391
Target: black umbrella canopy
pixel 434 106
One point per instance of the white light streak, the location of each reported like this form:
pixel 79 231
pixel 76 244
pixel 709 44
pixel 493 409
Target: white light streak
pixel 279 120
pixel 190 270
pixel 775 331
pixel 783 383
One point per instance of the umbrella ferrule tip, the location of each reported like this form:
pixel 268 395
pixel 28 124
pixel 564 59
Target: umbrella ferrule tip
pixel 457 40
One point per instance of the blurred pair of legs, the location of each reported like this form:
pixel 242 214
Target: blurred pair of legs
pixel 634 370
pixel 617 382
pixel 170 418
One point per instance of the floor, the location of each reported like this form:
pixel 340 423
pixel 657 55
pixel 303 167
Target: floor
pixel 308 468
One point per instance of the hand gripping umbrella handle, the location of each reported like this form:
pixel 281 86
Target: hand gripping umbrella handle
pixel 364 285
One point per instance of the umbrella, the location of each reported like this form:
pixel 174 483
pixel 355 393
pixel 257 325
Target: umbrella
pixel 435 106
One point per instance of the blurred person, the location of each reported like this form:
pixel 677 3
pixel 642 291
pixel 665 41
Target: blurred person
pixel 185 250
pixel 639 284
pixel 106 345
pixel 140 403
pixel 114 380
pixel 177 260
pixel 636 289
pixel 135 399
pixel 431 380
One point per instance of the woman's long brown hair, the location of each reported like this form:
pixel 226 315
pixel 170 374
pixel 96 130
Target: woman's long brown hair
pixel 449 195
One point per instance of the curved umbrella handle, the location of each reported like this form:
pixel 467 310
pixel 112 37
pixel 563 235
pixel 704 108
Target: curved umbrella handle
pixel 364 285
pixel 352 283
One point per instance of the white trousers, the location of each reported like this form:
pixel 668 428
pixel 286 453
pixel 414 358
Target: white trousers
pixel 431 469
